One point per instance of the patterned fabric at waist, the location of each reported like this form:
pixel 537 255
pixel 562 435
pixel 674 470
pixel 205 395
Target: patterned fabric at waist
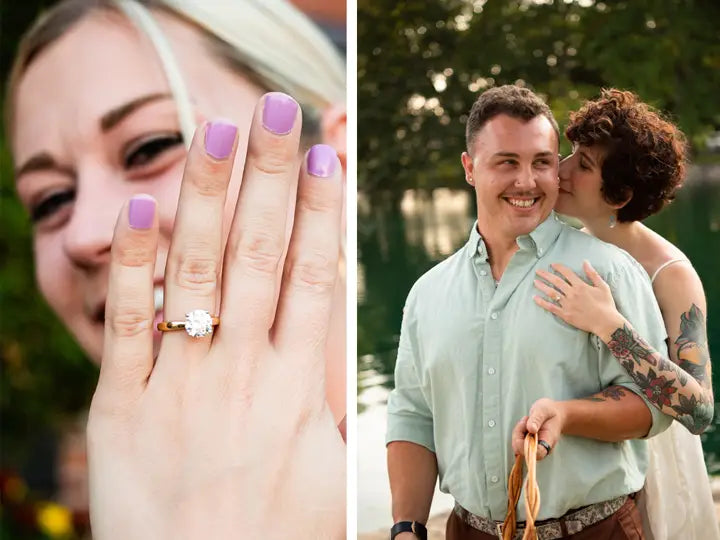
pixel 551 529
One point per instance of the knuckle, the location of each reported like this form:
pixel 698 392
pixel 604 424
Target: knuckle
pixel 211 178
pixel 314 271
pixel 261 252
pixel 129 321
pixel 317 198
pixel 134 253
pixel 197 273
pixel 275 157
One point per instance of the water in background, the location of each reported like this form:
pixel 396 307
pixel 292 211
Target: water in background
pixel 401 235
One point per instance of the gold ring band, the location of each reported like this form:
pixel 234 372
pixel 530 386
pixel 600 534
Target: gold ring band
pixel 198 323
pixel 174 326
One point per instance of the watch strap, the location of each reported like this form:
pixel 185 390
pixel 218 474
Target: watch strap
pixel 415 527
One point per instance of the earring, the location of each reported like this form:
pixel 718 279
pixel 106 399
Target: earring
pixel 613 221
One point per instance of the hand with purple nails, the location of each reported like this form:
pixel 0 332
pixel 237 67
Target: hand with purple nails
pixel 228 435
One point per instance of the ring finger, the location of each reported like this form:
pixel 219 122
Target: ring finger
pixel 550 292
pixel 193 268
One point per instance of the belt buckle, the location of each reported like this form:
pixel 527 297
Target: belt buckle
pixel 499 530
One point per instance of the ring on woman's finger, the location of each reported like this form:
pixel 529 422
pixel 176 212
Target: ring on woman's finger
pixel 197 323
pixel 557 298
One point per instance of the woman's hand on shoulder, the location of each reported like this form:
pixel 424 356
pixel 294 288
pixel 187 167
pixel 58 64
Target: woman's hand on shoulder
pixel 587 306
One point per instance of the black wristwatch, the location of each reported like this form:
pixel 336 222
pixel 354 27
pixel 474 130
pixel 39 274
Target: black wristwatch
pixel 415 527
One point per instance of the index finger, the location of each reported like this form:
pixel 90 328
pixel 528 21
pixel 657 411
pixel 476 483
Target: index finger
pixel 518 436
pixel 571 277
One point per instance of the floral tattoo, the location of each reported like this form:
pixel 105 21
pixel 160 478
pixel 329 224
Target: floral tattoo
pixel 663 382
pixel 692 345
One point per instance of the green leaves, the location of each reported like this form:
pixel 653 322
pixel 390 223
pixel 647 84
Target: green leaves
pixel 422 64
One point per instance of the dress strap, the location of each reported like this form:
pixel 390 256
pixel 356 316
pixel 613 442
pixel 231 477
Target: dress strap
pixel 663 266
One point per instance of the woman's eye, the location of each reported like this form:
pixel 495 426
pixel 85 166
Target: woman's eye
pixel 143 152
pixel 48 206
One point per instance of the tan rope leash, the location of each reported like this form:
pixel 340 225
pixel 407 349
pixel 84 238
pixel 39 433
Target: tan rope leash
pixel 532 492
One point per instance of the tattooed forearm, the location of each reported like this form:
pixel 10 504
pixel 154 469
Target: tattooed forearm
pixel 611 392
pixel 693 354
pixel 682 391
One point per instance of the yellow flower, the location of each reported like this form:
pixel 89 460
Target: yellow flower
pixel 55 520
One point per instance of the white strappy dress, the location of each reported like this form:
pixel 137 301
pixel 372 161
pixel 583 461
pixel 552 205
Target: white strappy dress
pixel 676 502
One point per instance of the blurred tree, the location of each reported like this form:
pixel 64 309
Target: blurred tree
pixel 421 65
pixel 45 376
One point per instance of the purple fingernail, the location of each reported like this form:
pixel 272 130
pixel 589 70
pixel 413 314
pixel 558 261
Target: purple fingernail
pixel 141 212
pixel 279 112
pixel 219 138
pixel 321 160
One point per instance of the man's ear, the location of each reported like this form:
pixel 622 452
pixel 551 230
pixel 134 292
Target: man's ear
pixel 467 164
pixel 333 127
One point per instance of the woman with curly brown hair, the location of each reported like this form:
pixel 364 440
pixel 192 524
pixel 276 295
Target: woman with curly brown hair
pixel 627 162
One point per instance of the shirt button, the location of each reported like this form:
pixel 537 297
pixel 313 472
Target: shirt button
pixel 491 371
pixel 491 423
pixel 539 251
pixel 493 316
pixel 494 479
pixel 483 273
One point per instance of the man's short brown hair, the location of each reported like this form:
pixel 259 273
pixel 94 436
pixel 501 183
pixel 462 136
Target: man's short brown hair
pixel 515 101
pixel 645 154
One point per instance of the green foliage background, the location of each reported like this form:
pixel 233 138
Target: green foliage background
pixel 46 378
pixel 666 50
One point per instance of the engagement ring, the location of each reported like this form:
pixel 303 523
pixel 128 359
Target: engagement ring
pixel 197 323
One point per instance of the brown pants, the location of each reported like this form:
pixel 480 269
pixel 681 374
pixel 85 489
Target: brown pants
pixel 625 524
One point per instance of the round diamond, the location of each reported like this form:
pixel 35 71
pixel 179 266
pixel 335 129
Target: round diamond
pixel 198 323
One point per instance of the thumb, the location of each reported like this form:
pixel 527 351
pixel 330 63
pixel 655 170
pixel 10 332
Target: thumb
pixel 540 412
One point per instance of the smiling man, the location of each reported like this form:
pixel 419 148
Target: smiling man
pixel 480 364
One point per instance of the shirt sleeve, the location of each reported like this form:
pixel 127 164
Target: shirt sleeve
pixel 409 414
pixel 635 300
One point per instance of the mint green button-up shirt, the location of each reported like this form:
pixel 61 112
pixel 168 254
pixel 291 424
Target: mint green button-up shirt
pixel 474 356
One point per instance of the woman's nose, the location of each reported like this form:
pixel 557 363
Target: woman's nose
pixel 89 231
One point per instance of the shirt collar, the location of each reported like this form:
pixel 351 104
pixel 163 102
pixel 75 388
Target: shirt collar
pixel 538 240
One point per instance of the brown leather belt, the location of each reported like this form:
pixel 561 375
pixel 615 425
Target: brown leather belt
pixel 551 529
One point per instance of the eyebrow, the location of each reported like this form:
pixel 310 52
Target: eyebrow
pixel 113 117
pixel 514 155
pixel 44 161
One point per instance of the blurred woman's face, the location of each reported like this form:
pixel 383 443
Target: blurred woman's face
pixel 580 189
pixel 95 124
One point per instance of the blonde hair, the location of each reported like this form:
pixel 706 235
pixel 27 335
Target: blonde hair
pixel 269 41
